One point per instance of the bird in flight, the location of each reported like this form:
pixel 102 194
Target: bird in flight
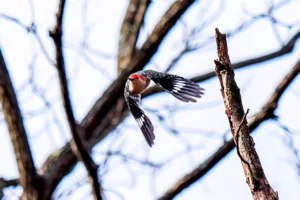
pixel 181 88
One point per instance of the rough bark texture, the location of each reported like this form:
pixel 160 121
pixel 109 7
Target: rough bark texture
pixel 256 179
pixel 78 145
pixel 30 181
pixel 130 30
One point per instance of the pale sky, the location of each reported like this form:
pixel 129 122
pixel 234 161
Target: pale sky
pixel 198 121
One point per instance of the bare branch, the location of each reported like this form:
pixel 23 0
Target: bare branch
pixel 31 29
pixel 256 179
pixel 236 138
pixel 175 60
pixel 29 179
pixel 7 183
pixel 287 48
pixel 79 147
pixel 291 144
pixel 130 30
pixel 128 157
pixel 16 21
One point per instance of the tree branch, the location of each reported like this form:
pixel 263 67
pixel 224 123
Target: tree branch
pixel 7 183
pixel 236 139
pixel 29 179
pixel 130 30
pixel 256 179
pixel 78 146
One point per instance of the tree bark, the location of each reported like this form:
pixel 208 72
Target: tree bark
pixel 130 30
pixel 255 177
pixel 30 181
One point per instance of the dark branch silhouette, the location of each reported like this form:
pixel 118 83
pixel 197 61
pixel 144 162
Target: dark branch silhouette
pixel 7 183
pixel 78 146
pixel 30 181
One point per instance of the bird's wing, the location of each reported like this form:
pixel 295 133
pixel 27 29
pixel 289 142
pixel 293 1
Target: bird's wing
pixel 142 120
pixel 181 88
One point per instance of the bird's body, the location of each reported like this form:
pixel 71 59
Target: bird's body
pixel 181 88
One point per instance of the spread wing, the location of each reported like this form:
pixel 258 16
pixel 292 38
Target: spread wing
pixel 142 120
pixel 181 88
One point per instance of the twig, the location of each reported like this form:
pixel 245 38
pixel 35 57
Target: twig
pixel 237 134
pixel 77 132
pixel 7 183
pixel 31 29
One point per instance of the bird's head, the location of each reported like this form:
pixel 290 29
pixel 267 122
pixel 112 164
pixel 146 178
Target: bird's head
pixel 137 83
pixel 136 77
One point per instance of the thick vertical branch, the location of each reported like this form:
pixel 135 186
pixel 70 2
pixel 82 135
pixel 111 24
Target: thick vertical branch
pixel 77 132
pixel 29 179
pixel 130 30
pixel 256 179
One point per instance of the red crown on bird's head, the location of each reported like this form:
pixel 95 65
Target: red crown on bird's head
pixel 136 75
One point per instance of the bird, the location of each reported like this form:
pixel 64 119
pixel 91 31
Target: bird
pixel 181 88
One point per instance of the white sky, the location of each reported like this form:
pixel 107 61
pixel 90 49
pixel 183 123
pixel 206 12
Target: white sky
pixel 226 181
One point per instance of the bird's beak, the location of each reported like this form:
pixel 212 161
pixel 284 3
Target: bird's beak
pixel 130 79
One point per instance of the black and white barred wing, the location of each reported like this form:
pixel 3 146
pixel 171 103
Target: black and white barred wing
pixel 142 120
pixel 181 88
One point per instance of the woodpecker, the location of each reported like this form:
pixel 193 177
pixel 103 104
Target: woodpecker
pixel 181 88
